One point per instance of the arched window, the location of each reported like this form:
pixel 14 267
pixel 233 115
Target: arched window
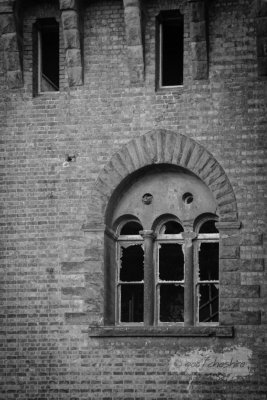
pixel 170 273
pixel 161 252
pixel 207 273
pixel 130 273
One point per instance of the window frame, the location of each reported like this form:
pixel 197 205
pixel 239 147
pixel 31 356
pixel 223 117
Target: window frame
pixel 41 26
pixel 165 17
pixel 153 265
pixel 129 239
pixel 204 238
pixel 161 239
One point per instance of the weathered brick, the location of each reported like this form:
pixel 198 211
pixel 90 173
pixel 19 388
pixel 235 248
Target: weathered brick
pixel 198 31
pixel 197 10
pixel 52 272
pixel 232 278
pixel 237 291
pixel 7 23
pixel 229 252
pixel 240 318
pixel 228 304
pixel 229 265
pixel 252 265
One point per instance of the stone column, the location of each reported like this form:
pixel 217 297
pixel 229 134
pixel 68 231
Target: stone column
pixel 198 34
pixel 11 38
pixel 70 18
pixel 188 237
pixel 149 277
pixel 133 27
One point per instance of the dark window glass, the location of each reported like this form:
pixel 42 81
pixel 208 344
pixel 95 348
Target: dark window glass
pixel 171 53
pixel 132 263
pixel 131 228
pixel 171 303
pixel 50 57
pixel 171 228
pixel 132 303
pixel 171 262
pixel 208 227
pixel 209 261
pixel 208 302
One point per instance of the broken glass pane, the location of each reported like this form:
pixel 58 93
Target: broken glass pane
pixel 208 303
pixel 209 261
pixel 132 263
pixel 132 303
pixel 171 303
pixel 171 262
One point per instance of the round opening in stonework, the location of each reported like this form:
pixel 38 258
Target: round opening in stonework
pixel 147 198
pixel 188 198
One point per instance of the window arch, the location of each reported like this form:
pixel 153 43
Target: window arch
pixel 129 272
pixel 206 260
pixel 169 274
pixel 156 251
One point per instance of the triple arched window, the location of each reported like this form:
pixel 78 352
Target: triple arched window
pixel 169 274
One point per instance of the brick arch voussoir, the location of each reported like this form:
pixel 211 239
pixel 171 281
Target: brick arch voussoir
pixel 163 146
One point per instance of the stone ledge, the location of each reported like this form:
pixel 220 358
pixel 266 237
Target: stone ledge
pixel 180 331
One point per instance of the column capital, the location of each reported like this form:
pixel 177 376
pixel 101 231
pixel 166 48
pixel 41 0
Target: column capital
pixel 189 235
pixel 147 233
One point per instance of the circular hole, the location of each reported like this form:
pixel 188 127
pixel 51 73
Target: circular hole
pixel 188 198
pixel 147 198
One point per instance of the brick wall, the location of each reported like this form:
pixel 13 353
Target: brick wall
pixel 51 285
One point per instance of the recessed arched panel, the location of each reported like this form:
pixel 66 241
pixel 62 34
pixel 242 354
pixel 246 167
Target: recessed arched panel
pixel 153 149
pixel 159 190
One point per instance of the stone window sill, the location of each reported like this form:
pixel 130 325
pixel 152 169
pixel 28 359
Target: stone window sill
pixel 163 331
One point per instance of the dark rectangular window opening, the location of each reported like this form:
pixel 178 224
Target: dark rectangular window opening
pixel 170 287
pixel 208 286
pixel 46 56
pixel 171 49
pixel 132 303
pixel 131 283
pixel 171 303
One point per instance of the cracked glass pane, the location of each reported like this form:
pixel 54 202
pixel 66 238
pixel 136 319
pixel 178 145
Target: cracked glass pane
pixel 171 303
pixel 132 303
pixel 132 263
pixel 209 262
pixel 208 303
pixel 171 262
